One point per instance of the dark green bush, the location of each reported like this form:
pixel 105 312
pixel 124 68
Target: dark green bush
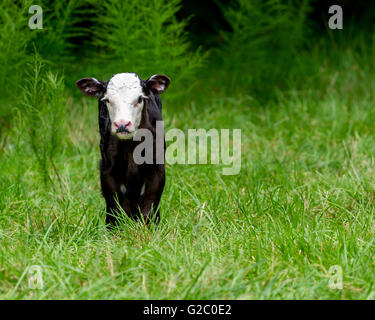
pixel 260 49
pixel 147 39
pixel 15 36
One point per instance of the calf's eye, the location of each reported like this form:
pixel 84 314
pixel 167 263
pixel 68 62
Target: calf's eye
pixel 139 100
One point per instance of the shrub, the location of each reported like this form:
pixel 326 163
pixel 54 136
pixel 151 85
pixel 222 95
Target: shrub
pixel 265 38
pixel 42 116
pixel 132 36
pixel 15 35
pixel 18 41
pixel 61 24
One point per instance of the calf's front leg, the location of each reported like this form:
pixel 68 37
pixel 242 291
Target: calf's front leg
pixel 110 191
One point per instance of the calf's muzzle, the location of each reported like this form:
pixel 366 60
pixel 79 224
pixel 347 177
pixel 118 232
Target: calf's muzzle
pixel 121 126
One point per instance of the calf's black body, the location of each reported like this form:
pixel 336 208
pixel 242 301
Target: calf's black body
pixel 122 180
pixel 133 185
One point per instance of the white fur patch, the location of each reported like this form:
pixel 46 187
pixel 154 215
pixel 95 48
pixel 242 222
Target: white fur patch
pixel 123 92
pixel 123 189
pixel 143 189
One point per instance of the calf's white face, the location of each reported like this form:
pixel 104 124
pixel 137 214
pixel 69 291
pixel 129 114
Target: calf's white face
pixel 124 99
pixel 124 96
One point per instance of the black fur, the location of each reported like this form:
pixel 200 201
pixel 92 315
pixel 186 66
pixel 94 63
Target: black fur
pixel 117 166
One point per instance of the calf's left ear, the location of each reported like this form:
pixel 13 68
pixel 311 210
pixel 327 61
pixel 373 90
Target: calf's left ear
pixel 91 87
pixel 158 83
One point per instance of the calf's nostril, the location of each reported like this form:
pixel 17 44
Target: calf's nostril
pixel 121 126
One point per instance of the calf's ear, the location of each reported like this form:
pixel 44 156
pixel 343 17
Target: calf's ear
pixel 158 83
pixel 91 87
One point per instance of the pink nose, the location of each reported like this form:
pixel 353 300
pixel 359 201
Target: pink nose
pixel 121 124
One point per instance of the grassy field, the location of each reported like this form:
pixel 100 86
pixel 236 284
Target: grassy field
pixel 302 204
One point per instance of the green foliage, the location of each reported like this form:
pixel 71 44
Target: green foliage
pixel 42 116
pixel 18 42
pixel 146 39
pixel 303 202
pixel 259 51
pixel 304 198
pixel 60 25
pixel 14 38
pixel 338 66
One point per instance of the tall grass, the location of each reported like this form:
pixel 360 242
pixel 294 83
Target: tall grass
pixel 42 118
pixel 18 43
pixel 15 36
pixel 336 66
pixel 303 201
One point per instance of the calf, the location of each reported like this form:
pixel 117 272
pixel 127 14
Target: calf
pixel 126 104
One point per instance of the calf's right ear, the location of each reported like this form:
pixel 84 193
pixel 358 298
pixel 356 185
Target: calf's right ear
pixel 91 87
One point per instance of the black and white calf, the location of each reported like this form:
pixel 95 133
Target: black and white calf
pixel 127 104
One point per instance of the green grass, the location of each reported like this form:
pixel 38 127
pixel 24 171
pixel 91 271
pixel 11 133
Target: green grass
pixel 303 202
